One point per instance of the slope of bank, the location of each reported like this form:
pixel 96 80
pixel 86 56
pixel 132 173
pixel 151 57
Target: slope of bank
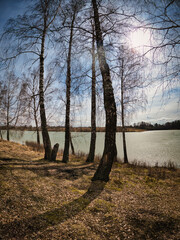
pixel 42 200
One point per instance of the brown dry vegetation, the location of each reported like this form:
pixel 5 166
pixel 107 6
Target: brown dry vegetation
pixel 42 200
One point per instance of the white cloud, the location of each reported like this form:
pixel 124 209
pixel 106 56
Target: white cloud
pixel 160 107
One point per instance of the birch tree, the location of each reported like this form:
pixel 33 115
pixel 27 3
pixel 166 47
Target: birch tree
pixel 29 33
pixel 110 152
pixel 72 10
pixel 13 101
pixel 91 154
pixel 130 87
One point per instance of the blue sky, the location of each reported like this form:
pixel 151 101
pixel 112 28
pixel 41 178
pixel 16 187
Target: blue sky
pixel 159 109
pixel 9 8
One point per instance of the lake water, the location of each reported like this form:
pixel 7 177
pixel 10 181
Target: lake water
pixel 149 146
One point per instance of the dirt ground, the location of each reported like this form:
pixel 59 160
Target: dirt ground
pixel 43 200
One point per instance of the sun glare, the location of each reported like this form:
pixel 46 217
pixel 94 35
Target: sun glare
pixel 140 39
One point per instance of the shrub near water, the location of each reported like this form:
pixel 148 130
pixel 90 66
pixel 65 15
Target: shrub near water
pixel 38 147
pixel 35 146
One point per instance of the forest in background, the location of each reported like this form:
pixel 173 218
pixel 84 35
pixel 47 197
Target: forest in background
pixel 135 128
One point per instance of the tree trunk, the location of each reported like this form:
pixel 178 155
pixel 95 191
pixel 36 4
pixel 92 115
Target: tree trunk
pixel 122 113
pixel 110 152
pixel 45 134
pixel 37 135
pixel 8 131
pixel 36 121
pixel 68 96
pixel 124 146
pixel 54 152
pixel 1 134
pixel 72 146
pixel 7 120
pixel 90 157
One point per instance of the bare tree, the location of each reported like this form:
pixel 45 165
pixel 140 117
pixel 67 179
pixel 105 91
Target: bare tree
pixel 130 85
pixel 162 20
pixel 48 19
pixel 29 33
pixel 91 154
pixel 72 10
pixel 12 101
pixel 68 86
pixel 110 150
pixel 122 111
pixel 32 93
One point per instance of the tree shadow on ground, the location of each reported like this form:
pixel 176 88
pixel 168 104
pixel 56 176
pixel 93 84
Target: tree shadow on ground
pixel 43 169
pixel 9 159
pixel 152 225
pixel 18 229
pixel 21 162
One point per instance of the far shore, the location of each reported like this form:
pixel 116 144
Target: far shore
pixel 83 129
pixel 75 129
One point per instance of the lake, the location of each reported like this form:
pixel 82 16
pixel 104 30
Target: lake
pixel 148 146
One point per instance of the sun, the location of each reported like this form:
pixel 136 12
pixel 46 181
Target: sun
pixel 140 39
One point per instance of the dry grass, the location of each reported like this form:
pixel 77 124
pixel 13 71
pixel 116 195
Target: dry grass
pixel 35 146
pixel 42 200
pixel 17 151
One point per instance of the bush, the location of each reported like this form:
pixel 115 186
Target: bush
pixel 35 146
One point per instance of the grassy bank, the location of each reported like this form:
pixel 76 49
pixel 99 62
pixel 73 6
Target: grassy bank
pixel 42 200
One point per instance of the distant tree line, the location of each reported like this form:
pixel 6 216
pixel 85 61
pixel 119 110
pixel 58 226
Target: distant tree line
pixel 165 126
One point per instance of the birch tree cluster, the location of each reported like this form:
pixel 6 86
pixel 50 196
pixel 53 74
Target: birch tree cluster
pixel 60 55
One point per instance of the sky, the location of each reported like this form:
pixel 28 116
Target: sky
pixel 158 110
pixel 9 8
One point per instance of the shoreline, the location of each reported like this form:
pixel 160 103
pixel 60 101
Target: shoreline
pixel 88 129
pixel 75 129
